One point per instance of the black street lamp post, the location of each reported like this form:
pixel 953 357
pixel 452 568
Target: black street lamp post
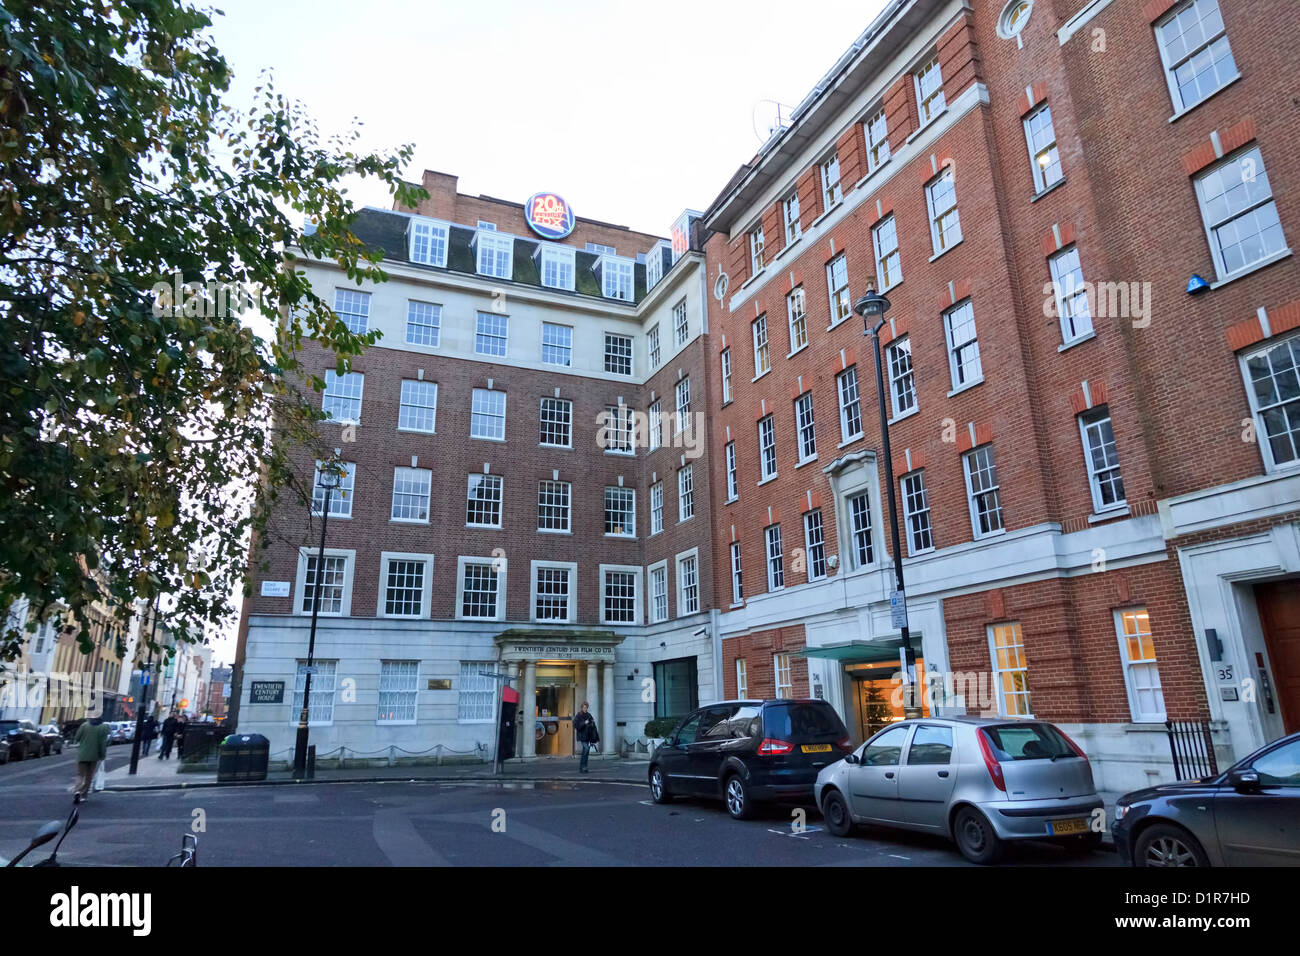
pixel 328 478
pixel 140 706
pixel 872 307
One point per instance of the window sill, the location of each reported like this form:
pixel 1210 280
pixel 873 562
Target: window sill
pixel 1065 346
pixel 927 124
pixel 890 288
pixel 621 454
pixel 542 444
pixel 499 441
pixel 838 203
pixel 944 252
pixel 797 351
pixel 907 414
pixel 1254 267
pixel 621 537
pixel 992 534
pixel 760 375
pixel 850 441
pixel 734 605
pixel 727 402
pixel 769 478
pixel 1187 109
pixel 1120 511
pixel 917 554
pixel 552 531
pixel 394 723
pixel 806 461
pixel 1043 192
pixel 967 387
pixel 732 501
pixel 686 519
pixel 408 520
pixel 417 431
pixel 871 175
pixel 835 325
pixel 790 244
pixel 483 527
pixel 754 278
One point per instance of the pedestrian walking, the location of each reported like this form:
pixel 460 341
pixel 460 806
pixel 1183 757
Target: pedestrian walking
pixel 181 723
pixel 584 730
pixel 147 734
pixel 92 747
pixel 168 735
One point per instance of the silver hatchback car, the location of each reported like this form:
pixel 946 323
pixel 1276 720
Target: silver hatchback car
pixel 979 781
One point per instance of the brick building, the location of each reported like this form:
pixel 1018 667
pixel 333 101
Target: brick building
pixel 1096 466
pixel 506 508
pixel 1079 210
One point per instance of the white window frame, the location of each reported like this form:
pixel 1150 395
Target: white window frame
pixel 434 324
pixel 477 480
pixel 618 430
pixel 840 296
pixel 322 693
pixel 628 495
pixel 900 377
pixel 726 375
pixel 742 679
pixel 756 257
pixel 490 415
pixel 341 498
pixel 1090 423
pixel 499 565
pixel 913 514
pixel 885 279
pixel 300 584
pixel 796 315
pixel 484 691
pixel 767 462
pixel 1292 344
pixel 1022 667
pixel 617 340
pixel 832 189
pixel 637 611
pixel 856 561
pixel 762 347
pixel 995 489
pixel 543 420
pixel 381 601
pixel 412 691
pixel 775 557
pixel 406 401
pixel 856 403
pixel 614 271
pixel 810 545
pixel 562 261
pixel 737 576
pixel 567 506
pixel 652 347
pixel 434 235
pixel 685 493
pixel 654 425
pixel 683 395
pixel 1130 665
pixel 681 323
pixel 1071 294
pixel 656 507
pixel 1251 161
pixel 965 367
pixel 681 562
pixel 790 214
pixel 405 473
pixel 943 238
pixel 571 594
pixel 1043 147
pixel 733 481
pixel 805 424
pixel 497 251
pixel 929 107
pixel 656 574
pixel 877 149
pixel 482 337
pixel 783 676
pixel 342 391
pixel 353 307
pixel 560 348
pixel 1171 65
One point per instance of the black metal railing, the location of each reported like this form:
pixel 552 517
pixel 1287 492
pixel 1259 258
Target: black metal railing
pixel 1192 749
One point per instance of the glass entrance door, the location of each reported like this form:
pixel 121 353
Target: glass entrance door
pixel 553 709
pixel 878 697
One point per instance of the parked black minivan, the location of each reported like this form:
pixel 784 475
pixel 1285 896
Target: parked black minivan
pixel 749 751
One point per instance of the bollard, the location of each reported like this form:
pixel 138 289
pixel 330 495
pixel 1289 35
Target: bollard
pixel 311 762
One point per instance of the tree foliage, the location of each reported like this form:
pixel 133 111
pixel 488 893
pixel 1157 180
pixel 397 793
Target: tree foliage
pixel 142 438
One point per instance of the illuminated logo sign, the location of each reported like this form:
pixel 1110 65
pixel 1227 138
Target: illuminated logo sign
pixel 549 215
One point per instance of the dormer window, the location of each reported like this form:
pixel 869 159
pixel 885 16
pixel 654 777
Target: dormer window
pixel 427 242
pixel 616 277
pixel 654 264
pixel 557 268
pixel 495 254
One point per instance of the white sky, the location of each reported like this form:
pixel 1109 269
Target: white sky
pixel 631 111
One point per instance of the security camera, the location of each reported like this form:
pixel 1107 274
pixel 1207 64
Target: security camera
pixel 702 631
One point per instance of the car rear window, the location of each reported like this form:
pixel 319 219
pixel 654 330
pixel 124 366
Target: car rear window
pixel 1028 741
pixel 803 720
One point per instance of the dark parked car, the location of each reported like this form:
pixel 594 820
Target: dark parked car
pixel 1249 815
pixel 24 739
pixel 53 739
pixel 749 751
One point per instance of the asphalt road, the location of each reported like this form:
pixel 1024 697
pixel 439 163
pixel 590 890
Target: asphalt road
pixel 442 824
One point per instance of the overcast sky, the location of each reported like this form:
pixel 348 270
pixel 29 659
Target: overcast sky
pixel 631 111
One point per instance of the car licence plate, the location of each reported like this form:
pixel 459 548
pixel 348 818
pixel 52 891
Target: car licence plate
pixel 1077 825
pixel 816 748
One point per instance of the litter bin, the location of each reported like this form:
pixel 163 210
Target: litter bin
pixel 200 744
pixel 243 757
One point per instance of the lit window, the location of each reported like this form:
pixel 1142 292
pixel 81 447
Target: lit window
pixel 945 223
pixel 929 90
pixel 762 358
pixel 1272 377
pixel 889 266
pixel 557 344
pixel 1104 478
pixel 1010 670
pixel 342 398
pixel 902 383
pixel 483 501
pixel 805 426
pixel 495 254
pixel 1141 675
pixel 1071 295
pixel 797 316
pixel 1195 53
pixel 353 308
pixel 428 242
pixel 837 285
pixel 423 323
pixel 814 539
pixel 418 411
pixel 618 354
pixel 784 682
pixel 850 405
pixel 685 493
pixel 556 421
pixel 1239 213
pixel 982 491
pixel 411 494
pixel 1040 135
pixel 775 557
pixel 963 345
pixel 916 506
pixel 487 414
pixel 553 505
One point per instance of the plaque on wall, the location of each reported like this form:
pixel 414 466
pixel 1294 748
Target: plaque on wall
pixel 440 683
pixel 266 692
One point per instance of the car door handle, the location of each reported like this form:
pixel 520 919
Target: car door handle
pixel 889 775
pixel 943 773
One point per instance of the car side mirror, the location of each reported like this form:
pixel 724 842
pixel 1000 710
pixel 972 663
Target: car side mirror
pixel 850 758
pixel 1244 781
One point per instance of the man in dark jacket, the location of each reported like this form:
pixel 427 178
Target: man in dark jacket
pixel 92 747
pixel 148 731
pixel 168 735
pixel 584 730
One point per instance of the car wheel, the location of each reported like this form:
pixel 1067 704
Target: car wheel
pixel 836 813
pixel 1168 845
pixel 736 793
pixel 975 837
pixel 659 786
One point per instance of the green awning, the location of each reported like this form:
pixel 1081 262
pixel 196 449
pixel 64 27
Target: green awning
pixel 860 652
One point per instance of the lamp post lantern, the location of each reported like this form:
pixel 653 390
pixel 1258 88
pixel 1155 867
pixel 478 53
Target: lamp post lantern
pixel 327 478
pixel 872 307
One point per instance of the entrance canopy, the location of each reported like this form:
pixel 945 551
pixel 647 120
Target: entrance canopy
pixel 860 652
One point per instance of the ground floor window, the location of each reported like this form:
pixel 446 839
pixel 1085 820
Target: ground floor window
pixel 322 691
pixel 781 668
pixel 475 700
pixel 397 687
pixel 1141 676
pixel 1010 670
pixel 676 687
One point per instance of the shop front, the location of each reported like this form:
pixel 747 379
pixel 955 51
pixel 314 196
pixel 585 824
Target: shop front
pixel 556 672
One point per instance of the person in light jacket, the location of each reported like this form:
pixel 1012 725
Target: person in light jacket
pixel 584 730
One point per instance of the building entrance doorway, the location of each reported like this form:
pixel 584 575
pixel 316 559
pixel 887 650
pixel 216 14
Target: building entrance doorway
pixel 553 709
pixel 1279 613
pixel 877 699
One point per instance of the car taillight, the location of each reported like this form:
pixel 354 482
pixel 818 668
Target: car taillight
pixel 995 768
pixel 772 747
pixel 845 743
